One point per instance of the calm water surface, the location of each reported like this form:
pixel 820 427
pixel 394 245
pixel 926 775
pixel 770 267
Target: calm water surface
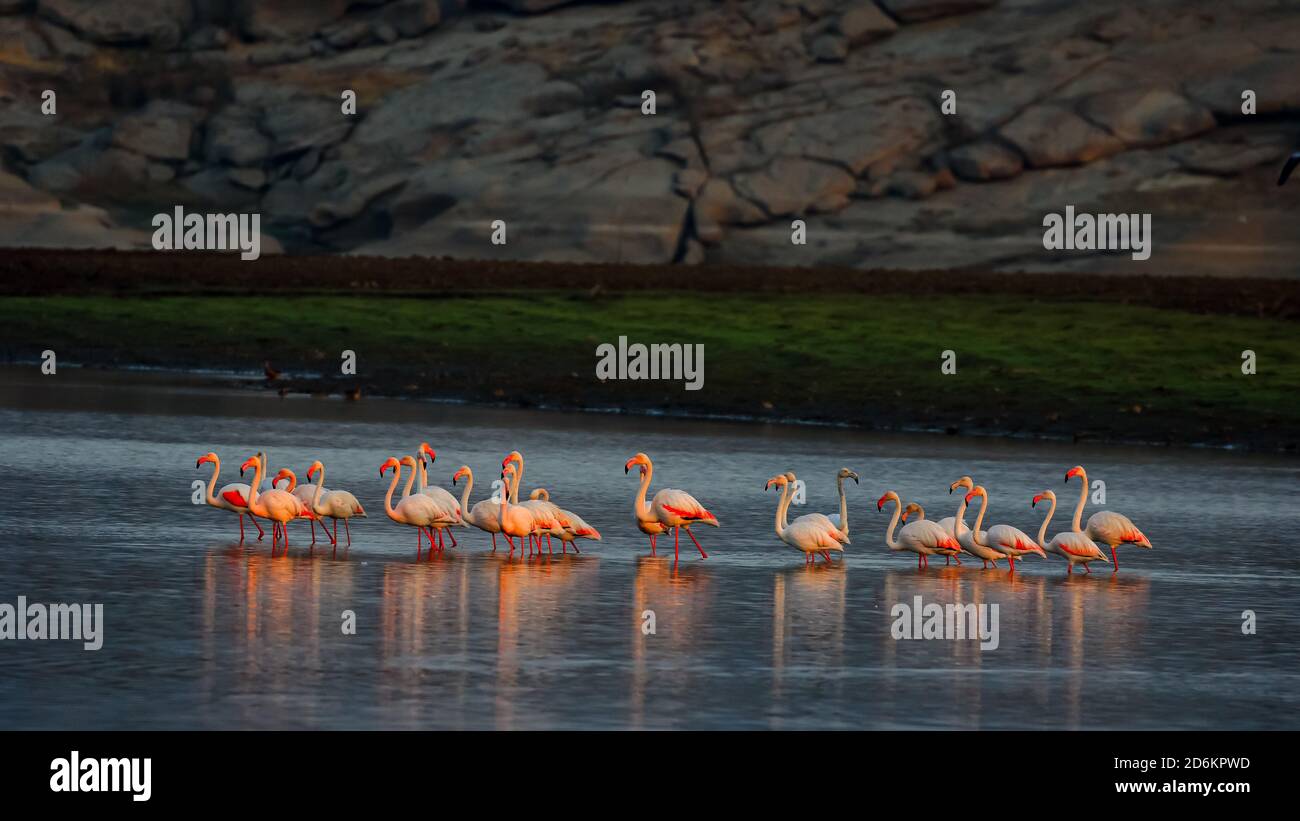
pixel 203 632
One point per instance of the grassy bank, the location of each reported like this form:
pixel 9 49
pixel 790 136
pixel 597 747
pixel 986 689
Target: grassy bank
pixel 1059 368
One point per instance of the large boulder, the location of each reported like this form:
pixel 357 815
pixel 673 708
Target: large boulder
pixel 1053 135
pixel 1148 116
pixel 161 130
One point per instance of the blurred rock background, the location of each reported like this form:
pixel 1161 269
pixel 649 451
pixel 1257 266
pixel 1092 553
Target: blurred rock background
pixel 767 111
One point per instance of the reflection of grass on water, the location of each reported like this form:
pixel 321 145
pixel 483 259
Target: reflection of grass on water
pixel 1056 366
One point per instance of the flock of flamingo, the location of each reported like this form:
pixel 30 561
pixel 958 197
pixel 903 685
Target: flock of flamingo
pixel 431 510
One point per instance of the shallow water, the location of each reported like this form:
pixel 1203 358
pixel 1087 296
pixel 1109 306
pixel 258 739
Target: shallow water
pixel 202 632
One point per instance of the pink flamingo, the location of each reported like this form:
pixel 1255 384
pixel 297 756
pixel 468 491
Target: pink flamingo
pixel 447 502
pixel 417 511
pixel 233 497
pixel 336 504
pixel 280 506
pixel 483 515
pixel 1075 548
pixel 1007 540
pixel 569 526
pixel 672 508
pixel 921 537
pixel 514 520
pixel 547 518
pixel 813 534
pixel 948 553
pixel 1112 529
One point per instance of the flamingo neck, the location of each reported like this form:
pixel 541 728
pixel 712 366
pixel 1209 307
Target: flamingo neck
pixel 467 513
pixel 893 523
pixel 212 485
pixel 1042 531
pixel 501 519
pixel 388 499
pixel 424 475
pixel 254 493
pixel 979 521
pixel 639 505
pixel 844 506
pixel 514 485
pixel 320 487
pixel 1076 525
pixel 780 510
pixel 959 521
pixel 410 480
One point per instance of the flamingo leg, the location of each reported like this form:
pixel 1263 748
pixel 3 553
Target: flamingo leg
pixel 703 555
pixel 575 548
pixel 1114 559
pixel 452 536
pixel 241 528
pixel 677 535
pixel 652 544
pixel 1069 568
pixel 947 560
pixel 1086 568
pixel 260 531
pixel 346 529
pixel 549 551
pixel 494 543
pixel 313 531
pixel 284 530
pixel 1011 560
pixel 957 559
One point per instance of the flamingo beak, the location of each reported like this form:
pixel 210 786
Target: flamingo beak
pixel 1037 499
pixel 970 496
pixel 198 462
pixel 855 479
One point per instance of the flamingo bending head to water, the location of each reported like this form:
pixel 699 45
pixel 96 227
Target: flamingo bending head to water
pixel 233 497
pixel 672 508
pixel 1111 529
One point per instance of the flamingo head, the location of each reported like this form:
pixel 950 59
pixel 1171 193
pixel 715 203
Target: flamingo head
pixel 508 471
pixel 964 481
pixel 891 496
pixel 845 473
pixel 590 532
pixel 285 473
pixel 425 449
pixel 640 459
pixel 464 471
pixel 913 507
pixel 205 458
pixel 540 493
pixel 513 456
pixel 409 461
pixel 251 462
pixel 315 466
pixel 1046 494
pixel 1077 470
pixel 391 463
pixel 779 480
pixel 979 491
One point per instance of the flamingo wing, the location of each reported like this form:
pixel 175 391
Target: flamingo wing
pixel 1078 545
pixel 681 505
pixel 1115 529
pixel 236 494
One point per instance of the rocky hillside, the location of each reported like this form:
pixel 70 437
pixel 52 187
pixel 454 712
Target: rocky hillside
pixel 530 111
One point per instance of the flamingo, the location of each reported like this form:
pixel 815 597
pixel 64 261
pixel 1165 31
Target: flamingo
pixel 1112 529
pixel 837 521
pixel 1007 540
pixel 1075 548
pixel 650 525
pixel 567 527
pixel 813 534
pixel 947 553
pixel 956 526
pixel 418 511
pixel 483 515
pixel 513 519
pixel 547 518
pixel 304 512
pixel 920 537
pixel 336 504
pixel 280 506
pixel 672 508
pixel 234 496
pixel 446 502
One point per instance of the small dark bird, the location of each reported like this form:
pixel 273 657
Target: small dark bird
pixel 1291 162
pixel 353 394
pixel 271 373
